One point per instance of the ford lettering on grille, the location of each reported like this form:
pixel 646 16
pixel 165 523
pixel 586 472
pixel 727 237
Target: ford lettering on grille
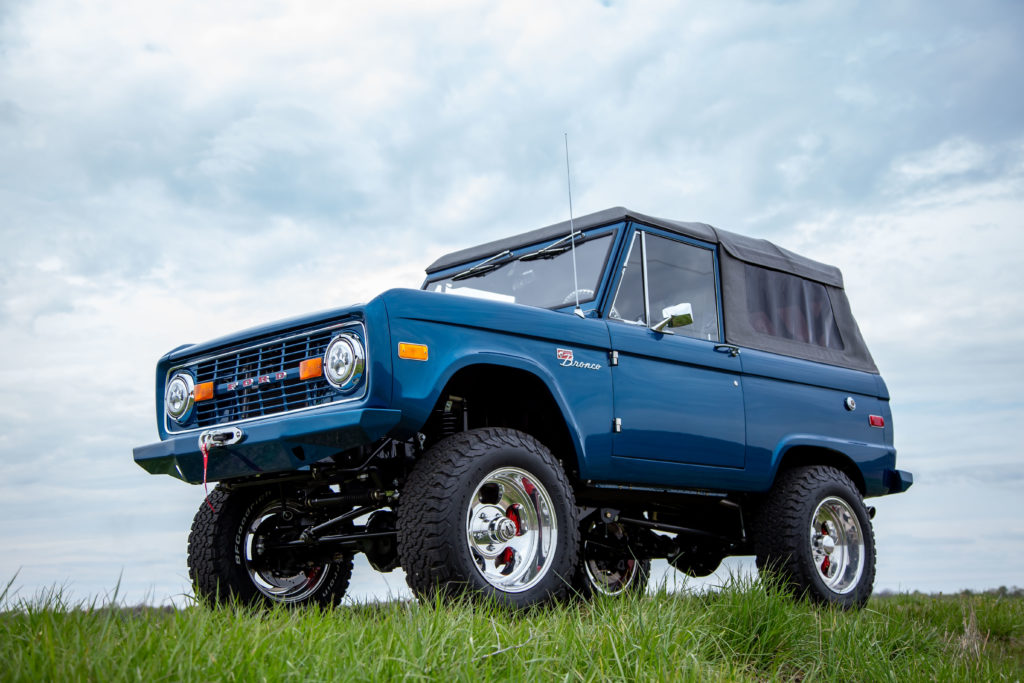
pixel 253 381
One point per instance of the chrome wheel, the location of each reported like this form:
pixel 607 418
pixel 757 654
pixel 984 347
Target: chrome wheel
pixel 612 580
pixel 837 545
pixel 291 585
pixel 511 529
pixel 608 570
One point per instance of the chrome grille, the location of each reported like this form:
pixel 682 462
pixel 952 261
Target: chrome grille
pixel 278 395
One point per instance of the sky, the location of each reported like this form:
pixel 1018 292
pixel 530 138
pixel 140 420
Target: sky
pixel 171 172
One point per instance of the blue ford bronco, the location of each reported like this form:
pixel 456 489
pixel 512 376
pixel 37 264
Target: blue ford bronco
pixel 545 416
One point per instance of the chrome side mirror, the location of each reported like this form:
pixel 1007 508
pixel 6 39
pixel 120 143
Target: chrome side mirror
pixel 679 315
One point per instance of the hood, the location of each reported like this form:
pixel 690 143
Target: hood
pixel 268 331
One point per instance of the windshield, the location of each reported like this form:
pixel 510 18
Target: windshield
pixel 545 280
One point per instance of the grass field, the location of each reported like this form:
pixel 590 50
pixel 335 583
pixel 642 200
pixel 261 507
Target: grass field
pixel 743 632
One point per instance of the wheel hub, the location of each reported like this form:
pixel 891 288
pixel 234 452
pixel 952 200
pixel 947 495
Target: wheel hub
pixel 503 529
pixel 490 528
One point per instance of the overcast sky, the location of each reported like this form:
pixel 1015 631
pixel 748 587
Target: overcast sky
pixel 170 172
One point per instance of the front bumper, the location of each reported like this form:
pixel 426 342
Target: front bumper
pixel 274 445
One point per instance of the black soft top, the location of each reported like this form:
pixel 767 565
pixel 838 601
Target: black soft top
pixel 747 249
pixel 751 296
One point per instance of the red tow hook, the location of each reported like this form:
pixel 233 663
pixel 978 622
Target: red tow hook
pixel 205 450
pixel 212 438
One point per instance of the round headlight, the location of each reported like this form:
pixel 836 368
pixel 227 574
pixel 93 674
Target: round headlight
pixel 344 361
pixel 178 398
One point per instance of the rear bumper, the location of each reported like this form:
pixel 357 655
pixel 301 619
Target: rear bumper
pixel 898 481
pixel 275 445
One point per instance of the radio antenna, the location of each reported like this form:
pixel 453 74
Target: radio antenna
pixel 572 233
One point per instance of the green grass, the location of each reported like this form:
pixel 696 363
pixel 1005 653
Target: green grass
pixel 743 632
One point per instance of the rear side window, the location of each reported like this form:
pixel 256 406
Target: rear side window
pixel 790 307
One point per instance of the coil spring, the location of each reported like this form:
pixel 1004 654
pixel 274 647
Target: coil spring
pixel 449 422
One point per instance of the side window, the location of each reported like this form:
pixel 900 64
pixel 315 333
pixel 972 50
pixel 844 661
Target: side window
pixel 628 305
pixel 680 273
pixel 676 273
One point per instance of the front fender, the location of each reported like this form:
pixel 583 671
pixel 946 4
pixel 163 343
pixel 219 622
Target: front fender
pixel 461 333
pixel 416 411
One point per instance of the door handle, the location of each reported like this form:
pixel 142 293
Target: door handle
pixel 733 351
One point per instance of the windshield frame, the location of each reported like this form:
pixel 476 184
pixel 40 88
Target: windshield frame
pixel 615 230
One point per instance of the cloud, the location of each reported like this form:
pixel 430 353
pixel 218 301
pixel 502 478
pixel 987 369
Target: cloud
pixel 953 157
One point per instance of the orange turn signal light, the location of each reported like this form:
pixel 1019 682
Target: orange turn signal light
pixel 411 351
pixel 204 391
pixel 311 367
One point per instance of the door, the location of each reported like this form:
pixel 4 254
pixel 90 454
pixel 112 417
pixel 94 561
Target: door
pixel 678 393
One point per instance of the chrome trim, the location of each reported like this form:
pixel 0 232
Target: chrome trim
pixel 643 270
pixel 203 359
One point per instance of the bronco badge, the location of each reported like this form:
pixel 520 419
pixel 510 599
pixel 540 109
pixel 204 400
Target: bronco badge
pixel 566 361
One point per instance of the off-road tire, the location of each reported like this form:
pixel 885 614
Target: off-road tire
pixel 216 556
pixel 782 534
pixel 433 508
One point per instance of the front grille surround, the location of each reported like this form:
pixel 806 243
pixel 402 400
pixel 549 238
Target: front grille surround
pixel 279 395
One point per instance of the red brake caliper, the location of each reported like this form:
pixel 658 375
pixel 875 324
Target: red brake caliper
pixel 508 555
pixel 513 514
pixel 507 559
pixel 826 563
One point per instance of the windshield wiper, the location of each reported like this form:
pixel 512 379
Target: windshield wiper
pixel 483 267
pixel 553 249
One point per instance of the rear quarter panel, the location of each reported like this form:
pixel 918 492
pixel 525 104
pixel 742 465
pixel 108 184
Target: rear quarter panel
pixel 791 402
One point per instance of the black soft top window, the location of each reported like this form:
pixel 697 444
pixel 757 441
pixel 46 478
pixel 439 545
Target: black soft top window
pixel 790 307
